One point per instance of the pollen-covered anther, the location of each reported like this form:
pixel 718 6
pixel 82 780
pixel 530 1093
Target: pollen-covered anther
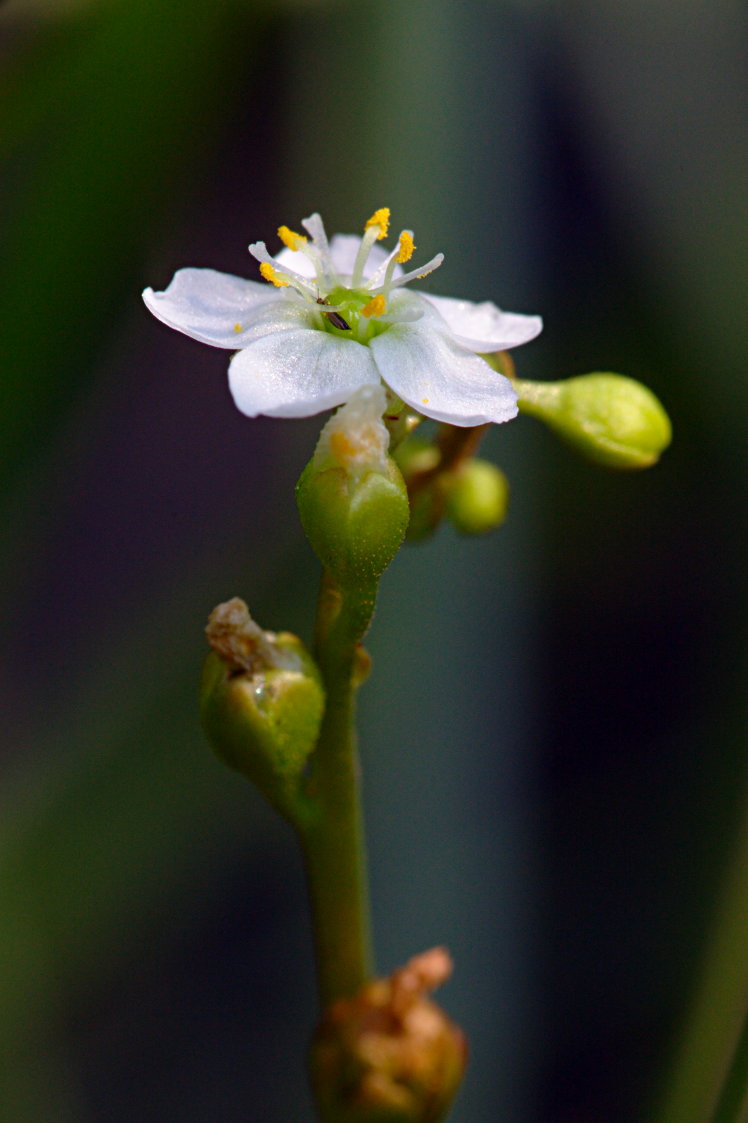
pixel 381 220
pixel 377 306
pixel 291 239
pixel 268 273
pixel 407 246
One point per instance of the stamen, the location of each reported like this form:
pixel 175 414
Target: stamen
pixel 381 278
pixel 377 306
pixel 402 253
pixel 374 230
pixel 270 274
pixel 406 247
pixel 302 285
pixel 290 238
pixel 424 271
pixel 380 220
pixel 378 279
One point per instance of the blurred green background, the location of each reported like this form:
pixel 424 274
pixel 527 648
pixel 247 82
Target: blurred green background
pixel 553 738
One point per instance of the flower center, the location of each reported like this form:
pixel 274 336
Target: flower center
pixel 353 306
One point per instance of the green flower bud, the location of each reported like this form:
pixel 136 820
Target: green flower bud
pixel 415 455
pixel 351 496
pixel 418 456
pixel 388 1054
pixel 261 702
pixel 477 497
pixel 426 510
pixel 610 419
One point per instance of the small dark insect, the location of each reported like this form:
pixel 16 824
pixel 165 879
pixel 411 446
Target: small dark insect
pixel 335 318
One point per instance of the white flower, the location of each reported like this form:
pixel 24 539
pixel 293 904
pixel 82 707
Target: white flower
pixel 335 317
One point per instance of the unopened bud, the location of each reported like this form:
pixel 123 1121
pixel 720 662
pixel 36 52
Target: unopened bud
pixel 477 497
pixel 416 455
pixel 426 510
pixel 609 418
pixel 388 1054
pixel 261 702
pixel 417 458
pixel 351 496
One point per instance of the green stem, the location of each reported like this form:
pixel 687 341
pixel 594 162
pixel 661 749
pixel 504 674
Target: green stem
pixel 332 836
pixel 710 1077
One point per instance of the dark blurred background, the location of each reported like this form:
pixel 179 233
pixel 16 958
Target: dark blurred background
pixel 553 738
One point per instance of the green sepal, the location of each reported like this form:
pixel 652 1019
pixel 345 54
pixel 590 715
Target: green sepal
pixel 265 723
pixel 355 525
pixel 477 497
pixel 608 418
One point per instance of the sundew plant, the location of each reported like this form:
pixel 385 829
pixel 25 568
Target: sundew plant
pixel 333 325
pixel 373 664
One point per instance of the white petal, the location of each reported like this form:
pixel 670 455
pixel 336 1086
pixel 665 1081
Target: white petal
pixel 296 261
pixel 297 372
pixel 440 378
pixel 214 307
pixel 484 327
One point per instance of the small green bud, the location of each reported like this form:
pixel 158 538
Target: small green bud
pixel 261 702
pixel 388 1054
pixel 418 456
pixel 415 455
pixel 426 510
pixel 477 497
pixel 351 496
pixel 609 418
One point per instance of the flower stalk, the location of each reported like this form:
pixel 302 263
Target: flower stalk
pixel 354 509
pixel 332 839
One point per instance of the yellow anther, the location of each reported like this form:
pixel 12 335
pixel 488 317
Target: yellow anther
pixel 424 401
pixel 269 274
pixel 290 238
pixel 406 247
pixel 380 218
pixel 376 306
pixel 237 328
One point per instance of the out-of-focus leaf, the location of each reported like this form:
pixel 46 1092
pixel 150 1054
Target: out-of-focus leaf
pixel 105 122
